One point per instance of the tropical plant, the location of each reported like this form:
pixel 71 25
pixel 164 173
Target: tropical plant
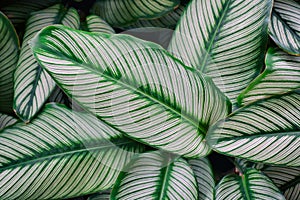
pixel 88 111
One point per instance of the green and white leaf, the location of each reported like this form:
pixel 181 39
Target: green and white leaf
pixel 19 11
pixel 32 84
pixel 9 52
pixel 252 185
pixel 204 177
pixel 61 154
pixel 287 179
pixel 6 120
pixel 225 39
pixel 135 86
pixel 58 96
pixel 282 74
pixel 156 175
pixel 105 195
pixel 94 23
pixel 284 26
pixel 265 131
pixel 168 20
pixel 125 12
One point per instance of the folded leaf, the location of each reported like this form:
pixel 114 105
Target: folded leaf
pixel 204 177
pixel 156 176
pixel 287 179
pixel 284 26
pixel 32 84
pixel 61 154
pixel 9 52
pixel 124 12
pixel 265 131
pixel 135 86
pixel 6 120
pixel 226 39
pixel 282 74
pixel 251 185
pixel 93 23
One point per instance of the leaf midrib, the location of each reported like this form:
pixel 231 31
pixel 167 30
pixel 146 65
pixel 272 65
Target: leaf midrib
pixel 57 155
pixel 91 69
pixel 210 44
pixel 282 134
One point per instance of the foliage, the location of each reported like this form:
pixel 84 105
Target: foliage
pixel 90 112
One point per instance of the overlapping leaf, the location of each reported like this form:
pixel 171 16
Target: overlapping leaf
pixel 9 51
pixel 156 176
pixel 135 86
pixel 251 185
pixel 225 39
pixel 61 154
pixel 19 11
pixel 265 131
pixel 168 20
pixel 124 12
pixel 32 84
pixel 282 74
pixel 204 177
pixel 287 179
pixel 105 195
pixel 94 23
pixel 284 27
pixel 6 120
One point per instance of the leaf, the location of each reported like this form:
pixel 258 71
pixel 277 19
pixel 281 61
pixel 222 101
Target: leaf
pixel 204 177
pixel 225 39
pixel 287 179
pixel 32 84
pixel 58 96
pixel 284 26
pixel 105 195
pixel 266 131
pixel 9 51
pixel 6 120
pixel 124 12
pixel 156 175
pixel 251 185
pixel 135 86
pixel 61 154
pixel 94 23
pixel 282 74
pixel 168 20
pixel 19 11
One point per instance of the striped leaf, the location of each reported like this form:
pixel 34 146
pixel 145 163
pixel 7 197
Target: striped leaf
pixel 226 39
pixel 6 120
pixel 124 12
pixel 284 26
pixel 265 131
pixel 61 154
pixel 282 74
pixel 287 179
pixel 105 195
pixel 252 185
pixel 168 20
pixel 19 11
pixel 32 84
pixel 135 86
pixel 9 51
pixel 204 177
pixel 58 96
pixel 93 23
pixel 156 175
